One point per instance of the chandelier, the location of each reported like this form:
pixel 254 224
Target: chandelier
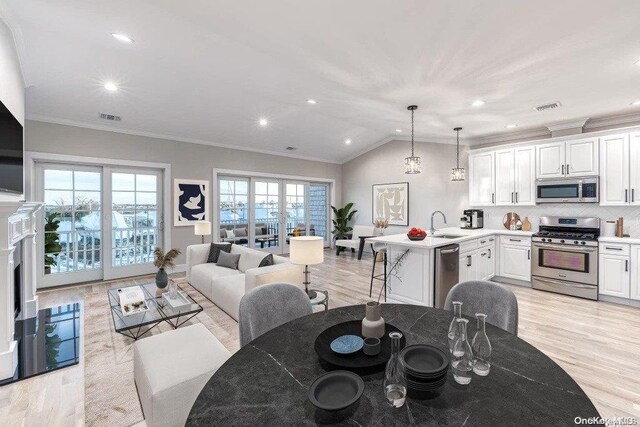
pixel 457 173
pixel 412 165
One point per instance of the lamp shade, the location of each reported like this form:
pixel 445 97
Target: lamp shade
pixel 306 250
pixel 202 228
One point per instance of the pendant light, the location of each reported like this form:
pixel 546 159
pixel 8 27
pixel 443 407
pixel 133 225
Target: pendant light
pixel 457 173
pixel 412 165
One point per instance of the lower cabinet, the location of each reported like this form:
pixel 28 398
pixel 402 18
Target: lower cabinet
pixel 515 260
pixel 478 264
pixel 635 272
pixel 468 266
pixel 614 276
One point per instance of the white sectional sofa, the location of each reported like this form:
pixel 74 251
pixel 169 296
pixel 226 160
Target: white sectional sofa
pixel 226 287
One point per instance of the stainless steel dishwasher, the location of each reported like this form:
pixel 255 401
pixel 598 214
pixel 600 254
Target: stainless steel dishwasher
pixel 447 272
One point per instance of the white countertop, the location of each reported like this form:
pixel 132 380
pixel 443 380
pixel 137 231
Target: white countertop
pixel 627 240
pixel 433 241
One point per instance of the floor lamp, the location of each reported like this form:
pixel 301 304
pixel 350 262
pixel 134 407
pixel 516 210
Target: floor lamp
pixel 307 250
pixel 202 228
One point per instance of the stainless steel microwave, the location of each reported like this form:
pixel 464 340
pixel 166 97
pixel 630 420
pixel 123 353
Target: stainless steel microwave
pixel 568 190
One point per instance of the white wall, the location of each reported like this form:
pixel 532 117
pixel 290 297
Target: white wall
pixel 191 161
pixel 429 191
pixel 11 83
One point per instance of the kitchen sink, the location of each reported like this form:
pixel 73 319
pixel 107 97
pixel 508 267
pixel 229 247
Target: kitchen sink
pixel 447 236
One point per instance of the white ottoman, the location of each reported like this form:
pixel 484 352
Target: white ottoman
pixel 170 370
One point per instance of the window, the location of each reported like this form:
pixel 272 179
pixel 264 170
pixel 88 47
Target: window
pixel 234 210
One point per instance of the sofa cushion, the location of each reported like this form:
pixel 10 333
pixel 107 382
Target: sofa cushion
pixel 227 293
pixel 228 260
pixel 266 261
pixel 250 259
pixel 240 232
pixel 202 275
pixel 215 249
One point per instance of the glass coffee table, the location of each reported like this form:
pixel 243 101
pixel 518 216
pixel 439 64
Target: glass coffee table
pixel 138 324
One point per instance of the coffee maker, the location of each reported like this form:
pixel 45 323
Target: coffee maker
pixel 474 218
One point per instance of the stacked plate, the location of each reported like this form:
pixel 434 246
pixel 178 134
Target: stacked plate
pixel 426 367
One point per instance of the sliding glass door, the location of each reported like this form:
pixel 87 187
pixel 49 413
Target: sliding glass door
pixel 265 213
pixel 99 222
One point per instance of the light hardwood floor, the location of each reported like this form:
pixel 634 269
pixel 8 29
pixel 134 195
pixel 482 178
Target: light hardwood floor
pixel 597 343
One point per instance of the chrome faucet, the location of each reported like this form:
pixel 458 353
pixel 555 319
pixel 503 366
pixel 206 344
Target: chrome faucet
pixel 433 230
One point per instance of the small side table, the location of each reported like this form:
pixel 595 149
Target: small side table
pixel 322 298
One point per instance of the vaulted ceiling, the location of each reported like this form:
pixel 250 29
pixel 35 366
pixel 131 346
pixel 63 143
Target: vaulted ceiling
pixel 206 70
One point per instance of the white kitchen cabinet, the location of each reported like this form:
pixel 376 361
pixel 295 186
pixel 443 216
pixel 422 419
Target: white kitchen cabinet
pixel 614 174
pixel 568 158
pixel 505 178
pixel 515 177
pixel 486 263
pixel 581 157
pixel 550 160
pixel 482 179
pixel 515 262
pixel 525 176
pixel 468 266
pixel 634 172
pixel 634 262
pixel 614 277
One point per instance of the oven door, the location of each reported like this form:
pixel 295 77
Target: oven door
pixel 564 262
pixel 560 191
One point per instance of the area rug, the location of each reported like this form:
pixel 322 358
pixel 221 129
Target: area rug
pixel 111 398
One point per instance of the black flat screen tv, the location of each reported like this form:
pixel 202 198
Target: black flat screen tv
pixel 11 153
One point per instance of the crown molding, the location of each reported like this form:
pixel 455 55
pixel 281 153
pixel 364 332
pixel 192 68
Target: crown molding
pixel 525 134
pixel 616 120
pixel 136 132
pixel 567 124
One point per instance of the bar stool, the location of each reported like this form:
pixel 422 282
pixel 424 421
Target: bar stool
pixel 379 248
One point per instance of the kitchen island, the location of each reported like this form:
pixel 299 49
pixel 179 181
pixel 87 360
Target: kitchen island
pixel 484 253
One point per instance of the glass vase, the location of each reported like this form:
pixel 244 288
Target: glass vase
pixel 462 355
pixel 395 381
pixel 481 348
pixel 453 327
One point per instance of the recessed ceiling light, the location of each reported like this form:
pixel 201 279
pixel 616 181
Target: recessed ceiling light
pixel 399 130
pixel 110 86
pixel 511 126
pixel 636 102
pixel 263 122
pixel 122 37
pixel 638 62
pixel 477 103
pixel 311 101
pixel 347 141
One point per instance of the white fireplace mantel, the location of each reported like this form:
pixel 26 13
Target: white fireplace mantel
pixel 17 222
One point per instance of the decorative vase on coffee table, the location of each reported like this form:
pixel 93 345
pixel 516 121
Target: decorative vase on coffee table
pixel 162 279
pixel 373 323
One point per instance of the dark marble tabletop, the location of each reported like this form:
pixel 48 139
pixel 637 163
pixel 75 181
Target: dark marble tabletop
pixel 266 382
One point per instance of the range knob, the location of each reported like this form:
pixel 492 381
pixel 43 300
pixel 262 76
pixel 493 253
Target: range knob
pixel 562 241
pixel 575 242
pixel 583 243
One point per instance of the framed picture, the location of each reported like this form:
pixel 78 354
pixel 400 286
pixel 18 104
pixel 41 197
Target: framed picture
pixel 190 201
pixel 391 201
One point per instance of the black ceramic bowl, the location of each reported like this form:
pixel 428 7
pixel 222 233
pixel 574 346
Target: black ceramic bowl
pixel 416 237
pixel 424 361
pixel 336 390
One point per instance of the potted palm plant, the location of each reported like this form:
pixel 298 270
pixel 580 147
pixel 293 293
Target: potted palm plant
pixel 341 227
pixel 51 241
pixel 163 261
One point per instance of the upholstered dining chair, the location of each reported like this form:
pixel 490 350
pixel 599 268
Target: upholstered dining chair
pixel 269 306
pixel 496 301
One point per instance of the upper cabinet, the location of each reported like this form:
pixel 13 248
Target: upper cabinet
pixel 515 176
pixel 482 182
pixel 620 177
pixel 567 158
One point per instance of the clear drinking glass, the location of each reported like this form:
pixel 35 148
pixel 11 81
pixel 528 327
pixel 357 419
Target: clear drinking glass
pixel 481 348
pixel 395 381
pixel 462 355
pixel 453 327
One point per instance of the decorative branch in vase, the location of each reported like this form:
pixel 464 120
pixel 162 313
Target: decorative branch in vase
pixel 164 261
pixel 381 224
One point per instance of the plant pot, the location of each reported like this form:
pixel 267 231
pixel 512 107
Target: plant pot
pixel 373 323
pixel 162 279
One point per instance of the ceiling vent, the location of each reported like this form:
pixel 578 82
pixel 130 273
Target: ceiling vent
pixel 291 148
pixel 111 117
pixel 549 106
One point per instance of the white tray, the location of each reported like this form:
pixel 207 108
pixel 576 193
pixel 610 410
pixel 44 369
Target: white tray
pixel 179 301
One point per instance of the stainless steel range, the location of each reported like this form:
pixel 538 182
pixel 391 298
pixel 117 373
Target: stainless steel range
pixel 565 256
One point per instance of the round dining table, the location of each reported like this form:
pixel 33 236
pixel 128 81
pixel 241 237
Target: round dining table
pixel 267 381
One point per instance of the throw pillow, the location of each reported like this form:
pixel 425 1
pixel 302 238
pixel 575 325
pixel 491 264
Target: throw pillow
pixel 230 234
pixel 266 261
pixel 214 251
pixel 228 260
pixel 240 232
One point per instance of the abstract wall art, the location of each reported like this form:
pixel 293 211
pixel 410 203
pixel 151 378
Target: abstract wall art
pixel 391 201
pixel 190 201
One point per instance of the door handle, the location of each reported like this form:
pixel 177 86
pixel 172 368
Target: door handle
pixel 449 251
pixel 515 240
pixel 512 197
pixel 483 254
pixel 529 254
pixel 562 169
pixel 482 242
pixel 626 265
pixel 468 260
pixel 633 196
pixel 493 198
pixel 626 196
pixel 489 253
pixel 516 197
pixel 567 168
pixel 609 248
